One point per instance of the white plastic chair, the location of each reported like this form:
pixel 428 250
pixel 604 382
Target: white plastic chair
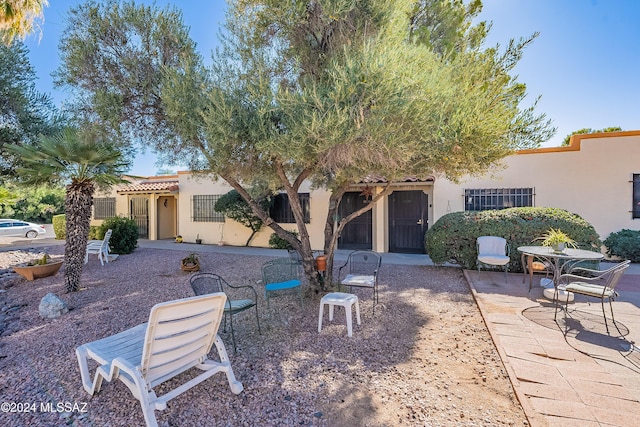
pixel 100 248
pixel 178 337
pixel 493 251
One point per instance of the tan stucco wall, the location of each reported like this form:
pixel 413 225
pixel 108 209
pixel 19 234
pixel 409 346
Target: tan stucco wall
pixel 591 178
pixel 231 232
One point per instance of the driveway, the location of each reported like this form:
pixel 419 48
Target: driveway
pixel 47 238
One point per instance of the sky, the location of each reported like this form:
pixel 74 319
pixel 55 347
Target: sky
pixel 584 65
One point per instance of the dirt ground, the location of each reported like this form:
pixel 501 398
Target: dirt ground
pixel 425 358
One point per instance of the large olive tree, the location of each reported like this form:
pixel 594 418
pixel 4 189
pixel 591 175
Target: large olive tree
pixel 327 91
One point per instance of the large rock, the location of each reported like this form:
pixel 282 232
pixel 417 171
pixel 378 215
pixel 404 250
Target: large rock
pixel 52 307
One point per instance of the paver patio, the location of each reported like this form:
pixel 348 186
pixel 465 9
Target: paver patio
pixel 569 372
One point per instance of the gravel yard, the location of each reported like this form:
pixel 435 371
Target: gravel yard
pixel 424 359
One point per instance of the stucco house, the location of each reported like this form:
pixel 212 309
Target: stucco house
pixel 597 176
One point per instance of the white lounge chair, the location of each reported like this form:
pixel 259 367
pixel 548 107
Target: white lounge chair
pixel 100 248
pixel 178 336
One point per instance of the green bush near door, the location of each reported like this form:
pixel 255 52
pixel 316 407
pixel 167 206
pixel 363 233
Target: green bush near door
pixel 453 237
pixel 124 235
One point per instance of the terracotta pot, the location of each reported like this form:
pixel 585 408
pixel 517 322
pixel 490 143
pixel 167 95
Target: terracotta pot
pixel 321 262
pixel 32 272
pixel 190 267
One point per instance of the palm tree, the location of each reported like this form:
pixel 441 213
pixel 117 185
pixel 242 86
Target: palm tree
pixel 82 162
pixel 18 17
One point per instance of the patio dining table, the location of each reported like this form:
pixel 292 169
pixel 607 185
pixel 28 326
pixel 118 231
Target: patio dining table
pixel 561 261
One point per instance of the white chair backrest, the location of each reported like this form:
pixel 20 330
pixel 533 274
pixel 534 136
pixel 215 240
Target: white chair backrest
pixel 616 274
pixel 180 335
pixel 107 237
pixel 492 245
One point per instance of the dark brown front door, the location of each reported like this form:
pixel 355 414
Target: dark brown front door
pixel 407 221
pixel 357 234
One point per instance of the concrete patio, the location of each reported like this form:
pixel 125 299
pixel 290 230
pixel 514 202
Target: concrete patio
pixel 569 372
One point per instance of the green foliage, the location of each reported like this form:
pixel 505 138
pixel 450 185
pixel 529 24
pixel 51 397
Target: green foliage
pixel 233 206
pixel 567 139
pixel 124 235
pixel 59 226
pixel 624 244
pixel 34 204
pixel 96 233
pixel 277 242
pixel 328 92
pixel 25 113
pixel 453 237
pixel 553 237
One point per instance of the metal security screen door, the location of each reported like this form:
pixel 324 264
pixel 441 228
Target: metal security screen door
pixel 357 234
pixel 139 212
pixel 407 221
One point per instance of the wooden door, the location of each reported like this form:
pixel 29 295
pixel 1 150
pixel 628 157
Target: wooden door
pixel 407 221
pixel 358 233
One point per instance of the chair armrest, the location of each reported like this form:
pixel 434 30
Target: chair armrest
pixel 569 277
pixel 255 294
pixel 340 269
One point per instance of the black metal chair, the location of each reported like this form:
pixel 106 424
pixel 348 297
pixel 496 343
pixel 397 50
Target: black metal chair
pixel 207 283
pixel 361 270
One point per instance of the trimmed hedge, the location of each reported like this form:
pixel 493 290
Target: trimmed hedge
pixel 453 237
pixel 60 226
pixel 624 244
pixel 124 235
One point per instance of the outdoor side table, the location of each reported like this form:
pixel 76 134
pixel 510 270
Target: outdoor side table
pixel 343 299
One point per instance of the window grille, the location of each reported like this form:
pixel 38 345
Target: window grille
pixel 104 207
pixel 202 208
pixel 281 210
pixel 497 198
pixel 636 195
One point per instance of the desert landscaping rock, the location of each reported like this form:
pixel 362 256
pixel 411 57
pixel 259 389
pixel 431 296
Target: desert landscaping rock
pixel 52 307
pixel 424 359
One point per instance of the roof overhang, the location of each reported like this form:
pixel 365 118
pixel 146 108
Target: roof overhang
pixel 162 187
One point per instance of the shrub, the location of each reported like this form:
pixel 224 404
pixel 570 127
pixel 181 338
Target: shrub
pixel 453 237
pixel 60 226
pixel 624 244
pixel 277 242
pixel 96 233
pixel 124 235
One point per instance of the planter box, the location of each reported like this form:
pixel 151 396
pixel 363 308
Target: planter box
pixel 32 272
pixel 190 267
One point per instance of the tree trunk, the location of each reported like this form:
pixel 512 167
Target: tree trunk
pixel 78 203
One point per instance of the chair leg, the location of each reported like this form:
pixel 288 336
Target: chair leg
pixel 257 318
pixel 320 317
pixel 613 318
pixel 233 337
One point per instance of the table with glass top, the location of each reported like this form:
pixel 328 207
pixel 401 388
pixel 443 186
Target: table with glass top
pixel 561 261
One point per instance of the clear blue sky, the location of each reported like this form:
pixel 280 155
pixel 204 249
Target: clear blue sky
pixel 585 64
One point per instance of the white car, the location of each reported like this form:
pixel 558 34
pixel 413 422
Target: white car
pixel 16 227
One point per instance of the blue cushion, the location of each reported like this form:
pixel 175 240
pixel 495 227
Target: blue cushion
pixel 283 285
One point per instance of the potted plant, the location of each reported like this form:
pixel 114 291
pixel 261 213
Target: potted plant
pixel 198 239
pixel 190 263
pixel 557 239
pixel 178 239
pixel 42 267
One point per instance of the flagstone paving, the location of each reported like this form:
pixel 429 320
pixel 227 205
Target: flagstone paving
pixel 568 372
